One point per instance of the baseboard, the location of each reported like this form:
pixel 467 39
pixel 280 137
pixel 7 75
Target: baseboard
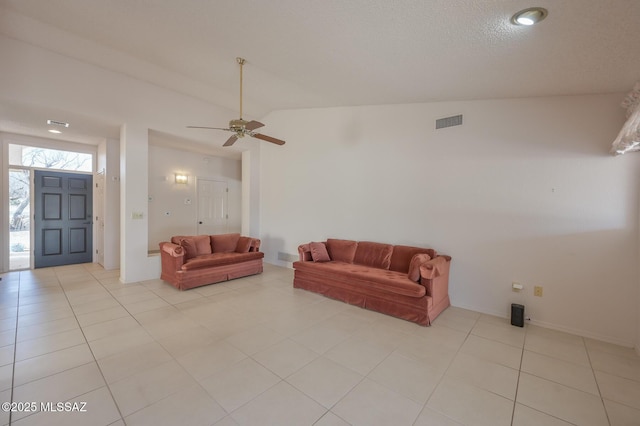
pixel 279 263
pixel 551 326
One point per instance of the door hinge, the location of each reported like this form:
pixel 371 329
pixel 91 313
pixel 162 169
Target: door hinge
pixel 227 189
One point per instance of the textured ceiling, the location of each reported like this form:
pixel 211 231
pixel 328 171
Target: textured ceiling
pixel 303 53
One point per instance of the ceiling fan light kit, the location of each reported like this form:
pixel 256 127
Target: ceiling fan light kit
pixel 240 126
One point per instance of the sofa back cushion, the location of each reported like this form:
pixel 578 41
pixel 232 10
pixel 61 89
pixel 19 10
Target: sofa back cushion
pixel 376 255
pixel 224 243
pixel 341 250
pixel 402 255
pixel 195 246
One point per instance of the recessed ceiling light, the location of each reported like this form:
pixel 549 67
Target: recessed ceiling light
pixel 530 16
pixel 54 131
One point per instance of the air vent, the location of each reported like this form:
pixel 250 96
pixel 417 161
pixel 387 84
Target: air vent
pixel 287 257
pixel 57 123
pixel 455 120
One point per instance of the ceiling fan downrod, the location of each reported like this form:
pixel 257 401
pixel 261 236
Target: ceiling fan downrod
pixel 241 62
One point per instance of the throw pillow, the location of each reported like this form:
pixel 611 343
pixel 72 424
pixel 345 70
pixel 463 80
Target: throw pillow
pixel 414 266
pixel 319 252
pixel 244 245
pixel 189 246
pixel 203 244
pixel 341 250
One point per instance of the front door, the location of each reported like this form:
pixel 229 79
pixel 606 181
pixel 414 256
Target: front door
pixel 63 225
pixel 212 207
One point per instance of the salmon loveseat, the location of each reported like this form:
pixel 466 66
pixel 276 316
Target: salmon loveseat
pixel 411 283
pixel 193 261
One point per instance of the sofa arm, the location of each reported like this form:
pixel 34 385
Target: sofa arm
pixel 304 251
pixel 434 275
pixel 171 249
pixel 255 244
pixel 172 257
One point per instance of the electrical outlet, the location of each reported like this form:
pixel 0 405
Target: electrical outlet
pixel 537 291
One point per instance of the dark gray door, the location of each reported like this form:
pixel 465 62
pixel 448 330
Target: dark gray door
pixel 62 215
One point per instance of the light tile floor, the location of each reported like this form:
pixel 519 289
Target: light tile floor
pixel 255 351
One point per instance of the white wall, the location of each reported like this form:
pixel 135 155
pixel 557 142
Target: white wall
pixel 168 197
pixel 108 159
pixel 523 191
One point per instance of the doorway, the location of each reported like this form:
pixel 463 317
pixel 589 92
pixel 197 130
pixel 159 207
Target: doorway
pixel 63 226
pixel 213 214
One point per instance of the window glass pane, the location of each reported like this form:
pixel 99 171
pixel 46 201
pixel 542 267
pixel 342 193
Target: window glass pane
pixel 30 156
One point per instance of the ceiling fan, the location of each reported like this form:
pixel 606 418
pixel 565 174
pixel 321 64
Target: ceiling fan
pixel 240 126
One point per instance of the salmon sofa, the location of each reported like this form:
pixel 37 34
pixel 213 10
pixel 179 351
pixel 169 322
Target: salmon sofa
pixel 193 261
pixel 407 282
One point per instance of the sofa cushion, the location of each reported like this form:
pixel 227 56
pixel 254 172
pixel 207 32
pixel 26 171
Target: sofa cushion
pixel 196 246
pixel 402 255
pixel 414 266
pixel 244 245
pixel 377 255
pixel 217 259
pixel 366 277
pixel 341 250
pixel 319 252
pixel 224 243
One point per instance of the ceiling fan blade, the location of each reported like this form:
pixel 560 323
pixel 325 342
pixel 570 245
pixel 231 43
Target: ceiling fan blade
pixel 212 128
pixel 268 138
pixel 252 125
pixel 231 141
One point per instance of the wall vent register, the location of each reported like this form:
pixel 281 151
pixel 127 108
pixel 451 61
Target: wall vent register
pixel 455 120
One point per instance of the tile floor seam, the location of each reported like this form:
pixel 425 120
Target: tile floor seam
pixel 15 347
pixel 593 372
pixel 229 413
pixel 343 396
pixel 89 346
pixel 515 396
pixel 444 373
pixel 108 385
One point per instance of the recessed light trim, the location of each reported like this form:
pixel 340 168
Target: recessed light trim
pixel 530 16
pixel 54 131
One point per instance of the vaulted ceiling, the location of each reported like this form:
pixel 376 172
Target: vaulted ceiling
pixel 303 53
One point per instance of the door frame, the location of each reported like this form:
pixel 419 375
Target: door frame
pixel 7 139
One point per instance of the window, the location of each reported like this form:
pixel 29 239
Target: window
pixel 44 158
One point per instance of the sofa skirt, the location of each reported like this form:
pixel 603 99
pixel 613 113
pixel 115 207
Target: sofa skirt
pixel 414 309
pixel 185 280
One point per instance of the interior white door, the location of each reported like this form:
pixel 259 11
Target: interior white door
pixel 213 215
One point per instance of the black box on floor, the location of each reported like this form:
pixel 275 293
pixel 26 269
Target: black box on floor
pixel 517 315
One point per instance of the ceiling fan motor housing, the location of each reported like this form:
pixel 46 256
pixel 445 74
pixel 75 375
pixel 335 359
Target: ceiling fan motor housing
pixel 238 126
